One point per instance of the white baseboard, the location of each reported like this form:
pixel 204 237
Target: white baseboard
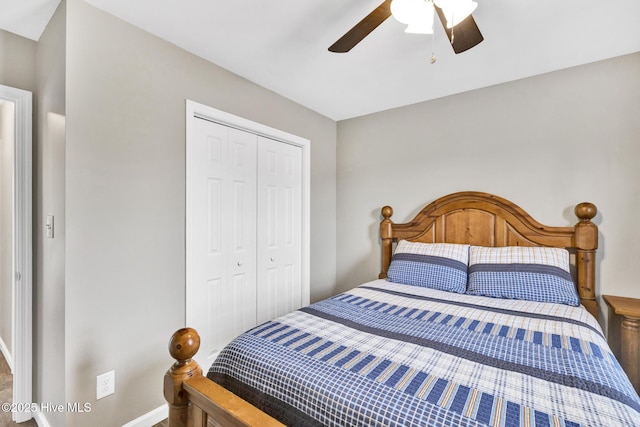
pixel 150 418
pixel 41 420
pixel 7 355
pixel 147 420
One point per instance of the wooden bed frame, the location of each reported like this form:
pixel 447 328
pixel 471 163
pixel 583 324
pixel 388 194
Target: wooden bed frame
pixel 467 217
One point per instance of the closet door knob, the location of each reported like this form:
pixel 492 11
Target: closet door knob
pixel 239 264
pixel 272 259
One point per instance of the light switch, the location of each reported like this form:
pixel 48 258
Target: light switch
pixel 49 226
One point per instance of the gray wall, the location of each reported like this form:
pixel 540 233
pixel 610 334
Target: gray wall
pixel 7 144
pixel 48 191
pixel 546 143
pixel 17 61
pixel 125 201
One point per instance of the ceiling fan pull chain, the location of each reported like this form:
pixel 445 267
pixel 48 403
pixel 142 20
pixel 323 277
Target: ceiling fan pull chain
pixel 453 36
pixel 433 48
pixel 433 39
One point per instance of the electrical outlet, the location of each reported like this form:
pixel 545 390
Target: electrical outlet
pixel 105 384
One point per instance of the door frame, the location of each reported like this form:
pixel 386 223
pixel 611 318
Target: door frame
pixel 22 333
pixel 196 111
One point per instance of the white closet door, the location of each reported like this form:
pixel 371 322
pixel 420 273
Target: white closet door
pixel 221 235
pixel 279 241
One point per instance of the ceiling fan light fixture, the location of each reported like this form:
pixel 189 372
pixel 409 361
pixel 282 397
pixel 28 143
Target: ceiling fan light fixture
pixel 417 14
pixel 456 11
pixel 420 27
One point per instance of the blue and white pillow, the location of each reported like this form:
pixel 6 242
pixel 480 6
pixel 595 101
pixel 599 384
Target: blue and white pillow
pixel 525 273
pixel 440 266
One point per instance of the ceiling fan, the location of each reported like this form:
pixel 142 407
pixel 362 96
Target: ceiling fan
pixel 463 34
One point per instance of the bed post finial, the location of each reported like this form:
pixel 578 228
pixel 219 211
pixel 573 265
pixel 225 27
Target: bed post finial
pixel 387 212
pixel 586 211
pixel 586 242
pixel 386 234
pixel 184 344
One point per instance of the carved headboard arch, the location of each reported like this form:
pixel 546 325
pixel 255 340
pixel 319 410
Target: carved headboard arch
pixel 484 219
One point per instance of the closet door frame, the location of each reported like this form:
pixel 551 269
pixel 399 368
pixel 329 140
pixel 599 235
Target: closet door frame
pixel 196 111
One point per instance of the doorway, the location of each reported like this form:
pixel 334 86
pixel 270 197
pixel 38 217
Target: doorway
pixel 17 113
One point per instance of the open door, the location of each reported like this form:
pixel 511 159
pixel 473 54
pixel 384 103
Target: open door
pixel 21 340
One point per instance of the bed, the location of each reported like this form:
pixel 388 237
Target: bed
pixel 480 316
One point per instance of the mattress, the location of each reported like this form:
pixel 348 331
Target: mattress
pixel 396 355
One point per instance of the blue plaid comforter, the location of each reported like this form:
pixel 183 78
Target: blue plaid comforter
pixel 395 355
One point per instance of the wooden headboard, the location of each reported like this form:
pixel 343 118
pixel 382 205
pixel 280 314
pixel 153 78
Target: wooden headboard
pixel 486 220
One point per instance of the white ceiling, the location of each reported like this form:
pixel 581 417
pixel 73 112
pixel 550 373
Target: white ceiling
pixel 27 18
pixel 282 44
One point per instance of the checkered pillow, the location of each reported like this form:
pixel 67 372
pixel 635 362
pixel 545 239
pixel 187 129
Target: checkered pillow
pixel 440 266
pixel 524 273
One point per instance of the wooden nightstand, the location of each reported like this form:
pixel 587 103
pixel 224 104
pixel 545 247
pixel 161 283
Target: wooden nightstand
pixel 624 334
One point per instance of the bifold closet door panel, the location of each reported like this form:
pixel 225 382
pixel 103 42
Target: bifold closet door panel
pixel 279 228
pixel 222 234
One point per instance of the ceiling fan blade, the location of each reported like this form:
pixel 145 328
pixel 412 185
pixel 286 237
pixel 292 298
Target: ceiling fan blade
pixel 463 36
pixel 362 28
